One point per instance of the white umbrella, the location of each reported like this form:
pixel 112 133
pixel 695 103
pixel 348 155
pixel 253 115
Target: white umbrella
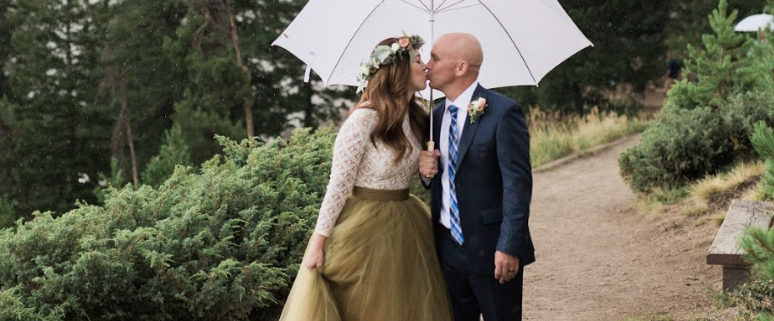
pixel 522 40
pixel 755 22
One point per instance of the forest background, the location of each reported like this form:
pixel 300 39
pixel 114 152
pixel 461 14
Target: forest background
pixel 130 192
pixel 94 93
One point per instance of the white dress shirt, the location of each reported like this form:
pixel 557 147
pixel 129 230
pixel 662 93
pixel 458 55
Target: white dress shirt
pixel 462 102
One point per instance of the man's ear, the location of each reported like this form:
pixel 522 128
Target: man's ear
pixel 461 68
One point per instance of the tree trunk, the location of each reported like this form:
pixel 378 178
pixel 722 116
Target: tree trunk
pixel 248 98
pixel 127 122
pixel 123 125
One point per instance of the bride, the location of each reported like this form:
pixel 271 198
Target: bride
pixel 372 255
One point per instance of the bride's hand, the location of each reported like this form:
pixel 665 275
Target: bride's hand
pixel 315 257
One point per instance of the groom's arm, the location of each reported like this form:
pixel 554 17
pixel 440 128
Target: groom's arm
pixel 512 139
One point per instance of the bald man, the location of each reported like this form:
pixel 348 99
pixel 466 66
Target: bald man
pixel 481 185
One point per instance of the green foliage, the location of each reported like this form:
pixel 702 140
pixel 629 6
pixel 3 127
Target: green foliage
pixel 687 22
pixel 756 297
pixel 116 179
pixel 221 244
pixel 715 65
pixel 7 214
pixel 763 140
pixel 133 67
pixel 705 126
pixel 686 144
pixel 55 130
pixel 68 67
pixel 174 152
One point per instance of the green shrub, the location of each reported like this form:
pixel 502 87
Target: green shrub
pixel 756 298
pixel 686 144
pixel 220 244
pixel 763 139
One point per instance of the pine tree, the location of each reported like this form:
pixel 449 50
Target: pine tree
pixel 715 65
pixel 216 89
pixel 56 129
pixel 139 84
pixel 687 21
pixel 283 99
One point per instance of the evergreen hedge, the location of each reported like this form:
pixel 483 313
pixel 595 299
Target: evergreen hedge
pixel 220 244
pixel 686 144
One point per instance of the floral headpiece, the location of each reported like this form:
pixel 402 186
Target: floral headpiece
pixel 385 55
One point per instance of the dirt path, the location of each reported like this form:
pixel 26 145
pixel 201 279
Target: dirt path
pixel 598 259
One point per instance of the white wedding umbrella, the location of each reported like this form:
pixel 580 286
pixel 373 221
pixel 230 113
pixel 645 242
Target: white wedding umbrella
pixel 755 22
pixel 522 40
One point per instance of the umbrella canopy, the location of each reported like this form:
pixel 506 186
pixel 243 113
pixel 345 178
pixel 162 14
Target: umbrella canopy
pixel 755 22
pixel 522 40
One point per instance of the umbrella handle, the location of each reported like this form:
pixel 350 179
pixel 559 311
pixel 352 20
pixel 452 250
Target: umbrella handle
pixel 430 145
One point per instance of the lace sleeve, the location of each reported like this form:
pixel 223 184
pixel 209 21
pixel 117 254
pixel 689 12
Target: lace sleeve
pixel 351 143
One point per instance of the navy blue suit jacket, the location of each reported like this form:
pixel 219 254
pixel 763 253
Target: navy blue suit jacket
pixel 493 181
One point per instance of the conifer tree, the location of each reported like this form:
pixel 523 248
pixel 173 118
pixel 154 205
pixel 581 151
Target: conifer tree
pixel 55 127
pixel 716 65
pixel 138 82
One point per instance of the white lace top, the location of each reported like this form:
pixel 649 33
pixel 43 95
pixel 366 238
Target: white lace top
pixel 356 162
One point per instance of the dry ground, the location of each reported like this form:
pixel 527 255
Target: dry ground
pixel 598 258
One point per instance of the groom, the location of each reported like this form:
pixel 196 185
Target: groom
pixel 481 181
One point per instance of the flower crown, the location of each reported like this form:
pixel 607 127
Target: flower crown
pixel 384 55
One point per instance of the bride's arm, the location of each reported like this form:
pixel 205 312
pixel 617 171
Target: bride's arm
pixel 348 150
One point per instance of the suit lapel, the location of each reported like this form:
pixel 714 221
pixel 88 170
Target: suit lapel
pixel 469 130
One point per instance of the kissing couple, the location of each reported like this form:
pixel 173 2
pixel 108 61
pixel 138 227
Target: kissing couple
pixel 377 252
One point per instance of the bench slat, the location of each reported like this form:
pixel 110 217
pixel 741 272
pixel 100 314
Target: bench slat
pixel 726 248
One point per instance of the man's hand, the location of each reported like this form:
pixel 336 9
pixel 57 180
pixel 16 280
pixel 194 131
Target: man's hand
pixel 428 163
pixel 506 267
pixel 315 256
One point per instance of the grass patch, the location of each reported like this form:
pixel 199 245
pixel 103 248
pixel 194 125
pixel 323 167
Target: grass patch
pixel 713 194
pixel 553 136
pixel 649 318
pixel 707 198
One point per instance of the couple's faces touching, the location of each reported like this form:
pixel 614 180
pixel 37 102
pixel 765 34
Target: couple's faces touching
pixel 418 75
pixel 453 56
pixel 439 70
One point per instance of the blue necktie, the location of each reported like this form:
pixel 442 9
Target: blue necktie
pixel 454 212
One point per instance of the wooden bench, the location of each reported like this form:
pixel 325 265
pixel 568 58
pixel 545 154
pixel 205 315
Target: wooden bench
pixel 726 249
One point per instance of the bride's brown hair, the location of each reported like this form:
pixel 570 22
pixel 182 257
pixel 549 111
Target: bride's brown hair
pixel 386 94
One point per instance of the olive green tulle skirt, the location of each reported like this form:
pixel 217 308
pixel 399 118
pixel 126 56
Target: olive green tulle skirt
pixel 380 264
